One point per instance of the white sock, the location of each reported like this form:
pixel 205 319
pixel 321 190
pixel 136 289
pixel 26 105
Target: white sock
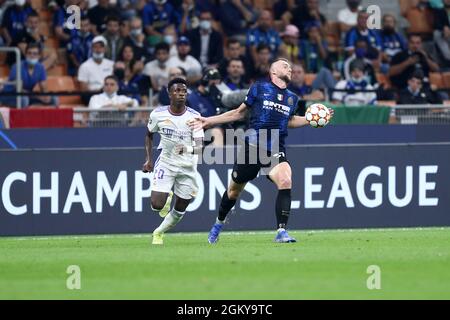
pixel 219 221
pixel 170 221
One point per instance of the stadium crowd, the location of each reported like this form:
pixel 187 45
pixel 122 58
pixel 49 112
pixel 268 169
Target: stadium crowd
pixel 223 45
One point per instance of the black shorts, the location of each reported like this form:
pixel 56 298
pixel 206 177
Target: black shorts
pixel 245 171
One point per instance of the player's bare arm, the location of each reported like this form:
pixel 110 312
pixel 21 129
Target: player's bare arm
pixel 229 116
pixel 148 165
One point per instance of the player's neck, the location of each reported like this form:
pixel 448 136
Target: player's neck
pixel 177 110
pixel 279 83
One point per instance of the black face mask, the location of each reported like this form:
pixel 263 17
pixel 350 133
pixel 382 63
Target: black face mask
pixel 389 30
pixel 119 73
pixel 353 4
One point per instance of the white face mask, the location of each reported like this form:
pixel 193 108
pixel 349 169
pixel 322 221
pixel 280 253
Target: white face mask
pixel 20 2
pixel 98 56
pixel 169 39
pixel 205 24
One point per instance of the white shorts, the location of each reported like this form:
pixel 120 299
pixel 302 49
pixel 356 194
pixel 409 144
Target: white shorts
pixel 184 180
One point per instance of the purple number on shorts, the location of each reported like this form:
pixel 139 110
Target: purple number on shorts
pixel 160 173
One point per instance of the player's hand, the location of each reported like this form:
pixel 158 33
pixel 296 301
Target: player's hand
pixel 179 149
pixel 198 123
pixel 147 167
pixel 331 112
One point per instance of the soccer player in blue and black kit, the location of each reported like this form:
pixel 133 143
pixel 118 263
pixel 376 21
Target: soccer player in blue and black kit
pixel 271 106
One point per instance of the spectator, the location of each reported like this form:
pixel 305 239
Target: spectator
pixel 163 96
pixel 300 88
pixel 304 14
pixel 264 33
pixel 350 97
pixel 234 50
pixel 131 83
pixel 235 75
pixel 132 65
pixel 112 36
pixel 13 21
pixel 158 69
pixel 260 68
pixel 110 99
pixel 368 56
pixel 404 63
pixel 236 16
pixel 97 15
pixel 314 49
pixel 93 71
pixel 201 100
pixel 171 38
pixel 29 35
pixel 280 7
pixel 80 45
pixel 60 18
pixel 414 93
pixel 392 42
pixel 33 76
pixel 361 31
pixel 141 48
pixel 348 17
pixel 189 20
pixel 291 43
pixel 186 61
pixel 206 43
pixel 419 15
pixel 441 34
pixel 127 9
pixel 157 15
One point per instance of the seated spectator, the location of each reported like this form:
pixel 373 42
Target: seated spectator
pixel 98 14
pixel 163 96
pixel 171 38
pixel 305 14
pixel 357 81
pixel 280 7
pixel 158 69
pixel 189 19
pixel 419 15
pixel 260 68
pixel 314 49
pixel 264 33
pixel 127 9
pixel 186 61
pixel 368 56
pixel 291 43
pixel 392 42
pixel 29 35
pixel 13 21
pixel 234 50
pixel 206 43
pixel 92 72
pixel 300 88
pixel 157 15
pixel 132 84
pixel 234 78
pixel 133 66
pixel 361 31
pixel 404 63
pixel 141 47
pixel 414 93
pixel 110 99
pixel 236 16
pixel 441 34
pixel 348 17
pixel 200 100
pixel 79 46
pixel 113 37
pixel 33 76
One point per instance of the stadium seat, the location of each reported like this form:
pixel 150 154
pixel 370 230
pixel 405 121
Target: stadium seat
pixel 58 70
pixel 52 42
pixel 261 4
pixel 45 28
pixel 437 80
pixel 45 15
pixel 446 79
pixel 309 78
pixel 61 84
pixel 38 4
pixel 4 71
pixel 382 79
pixel 333 36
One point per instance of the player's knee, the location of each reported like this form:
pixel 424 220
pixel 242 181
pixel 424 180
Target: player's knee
pixel 156 204
pixel 233 194
pixel 284 183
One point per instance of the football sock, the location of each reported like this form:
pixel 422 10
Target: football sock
pixel 225 206
pixel 283 207
pixel 170 221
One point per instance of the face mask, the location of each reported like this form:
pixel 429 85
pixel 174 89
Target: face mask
pixel 389 30
pixel 136 32
pixel 110 95
pixel 168 39
pixel 360 53
pixel 98 56
pixel 205 25
pixel 20 2
pixel 162 65
pixel 29 30
pixel 32 61
pixel 85 34
pixel 119 73
pixel 353 4
pixel 359 81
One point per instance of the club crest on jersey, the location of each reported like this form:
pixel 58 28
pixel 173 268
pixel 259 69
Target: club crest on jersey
pixel 290 101
pixel 280 97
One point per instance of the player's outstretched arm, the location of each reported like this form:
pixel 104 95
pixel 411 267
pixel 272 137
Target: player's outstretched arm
pixel 148 165
pixel 297 122
pixel 229 116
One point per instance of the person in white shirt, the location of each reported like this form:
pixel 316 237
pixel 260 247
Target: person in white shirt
pixel 176 165
pixel 110 99
pixel 347 17
pixel 94 70
pixel 186 61
pixel 157 69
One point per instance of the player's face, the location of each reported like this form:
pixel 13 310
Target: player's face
pixel 178 93
pixel 284 71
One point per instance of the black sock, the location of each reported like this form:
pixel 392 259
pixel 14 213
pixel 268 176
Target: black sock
pixel 225 206
pixel 283 207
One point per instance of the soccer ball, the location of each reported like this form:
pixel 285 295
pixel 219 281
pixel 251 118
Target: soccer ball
pixel 317 115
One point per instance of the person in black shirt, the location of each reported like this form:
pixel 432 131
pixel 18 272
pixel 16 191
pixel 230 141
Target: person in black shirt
pixel 415 93
pixel 404 63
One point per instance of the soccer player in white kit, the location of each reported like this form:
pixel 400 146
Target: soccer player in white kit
pixel 176 165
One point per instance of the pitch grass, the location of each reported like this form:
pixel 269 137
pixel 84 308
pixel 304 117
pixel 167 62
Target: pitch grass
pixel 414 263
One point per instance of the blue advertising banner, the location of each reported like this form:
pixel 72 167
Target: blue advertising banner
pixel 87 191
